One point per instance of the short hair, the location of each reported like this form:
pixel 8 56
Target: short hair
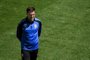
pixel 31 9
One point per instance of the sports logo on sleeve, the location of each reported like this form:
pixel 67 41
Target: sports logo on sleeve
pixel 25 25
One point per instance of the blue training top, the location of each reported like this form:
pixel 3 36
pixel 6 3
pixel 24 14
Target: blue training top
pixel 28 33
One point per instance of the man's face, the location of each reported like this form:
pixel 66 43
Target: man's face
pixel 31 15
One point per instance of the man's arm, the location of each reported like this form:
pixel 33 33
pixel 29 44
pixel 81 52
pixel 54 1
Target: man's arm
pixel 40 29
pixel 19 31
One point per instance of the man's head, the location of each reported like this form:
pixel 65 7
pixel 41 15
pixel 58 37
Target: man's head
pixel 30 13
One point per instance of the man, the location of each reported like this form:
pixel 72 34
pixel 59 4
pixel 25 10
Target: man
pixel 28 32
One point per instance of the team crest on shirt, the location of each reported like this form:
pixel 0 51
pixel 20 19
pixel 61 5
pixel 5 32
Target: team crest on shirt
pixel 35 26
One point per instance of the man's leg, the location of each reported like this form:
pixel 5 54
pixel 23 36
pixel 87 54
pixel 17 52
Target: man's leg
pixel 25 55
pixel 33 55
